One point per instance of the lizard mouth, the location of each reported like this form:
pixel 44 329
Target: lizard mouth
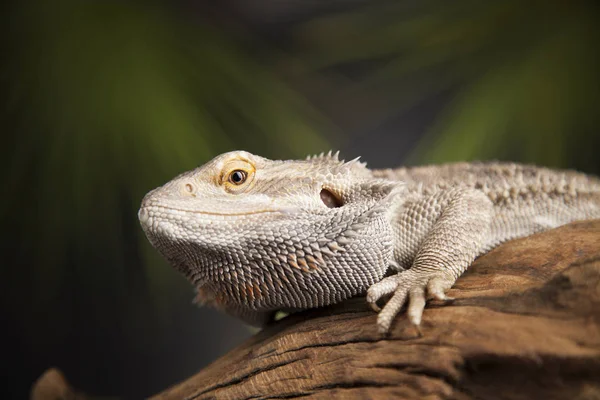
pixel 147 214
pixel 147 210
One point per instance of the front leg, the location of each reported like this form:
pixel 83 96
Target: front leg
pixel 442 233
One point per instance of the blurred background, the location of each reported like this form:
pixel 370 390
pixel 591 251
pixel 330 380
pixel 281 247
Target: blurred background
pixel 102 101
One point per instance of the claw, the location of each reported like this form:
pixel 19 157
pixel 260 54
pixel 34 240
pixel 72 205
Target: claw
pixel 418 329
pixel 375 307
pixel 443 297
pixel 437 294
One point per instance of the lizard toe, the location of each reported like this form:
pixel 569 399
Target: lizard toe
pixel 391 309
pixel 437 287
pixel 416 304
pixel 382 288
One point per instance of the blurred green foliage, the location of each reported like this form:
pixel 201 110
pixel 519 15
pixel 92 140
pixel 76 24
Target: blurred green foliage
pixel 523 74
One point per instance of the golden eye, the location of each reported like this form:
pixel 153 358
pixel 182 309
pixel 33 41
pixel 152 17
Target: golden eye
pixel 237 177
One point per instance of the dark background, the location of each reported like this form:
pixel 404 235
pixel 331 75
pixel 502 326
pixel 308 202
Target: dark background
pixel 102 101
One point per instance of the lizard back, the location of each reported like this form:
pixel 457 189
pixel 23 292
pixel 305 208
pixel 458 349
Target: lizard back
pixel 526 198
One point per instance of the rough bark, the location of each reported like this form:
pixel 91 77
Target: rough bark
pixel 525 323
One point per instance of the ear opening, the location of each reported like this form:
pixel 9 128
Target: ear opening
pixel 330 199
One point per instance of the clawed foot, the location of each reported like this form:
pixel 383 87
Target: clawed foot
pixel 407 284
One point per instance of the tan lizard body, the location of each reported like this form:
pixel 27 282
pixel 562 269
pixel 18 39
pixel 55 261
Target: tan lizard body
pixel 255 235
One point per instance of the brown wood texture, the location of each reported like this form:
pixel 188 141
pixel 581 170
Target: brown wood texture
pixel 525 324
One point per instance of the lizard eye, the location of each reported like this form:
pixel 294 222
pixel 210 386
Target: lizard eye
pixel 237 177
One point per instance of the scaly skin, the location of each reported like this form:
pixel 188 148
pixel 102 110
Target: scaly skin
pixel 255 235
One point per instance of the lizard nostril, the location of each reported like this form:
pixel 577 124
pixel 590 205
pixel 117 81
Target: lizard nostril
pixel 189 188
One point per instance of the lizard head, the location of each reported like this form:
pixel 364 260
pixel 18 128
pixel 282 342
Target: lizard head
pixel 263 234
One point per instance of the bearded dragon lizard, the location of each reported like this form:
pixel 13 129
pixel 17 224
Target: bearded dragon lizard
pixel 255 235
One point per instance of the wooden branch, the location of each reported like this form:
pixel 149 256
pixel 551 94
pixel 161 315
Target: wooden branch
pixel 525 324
